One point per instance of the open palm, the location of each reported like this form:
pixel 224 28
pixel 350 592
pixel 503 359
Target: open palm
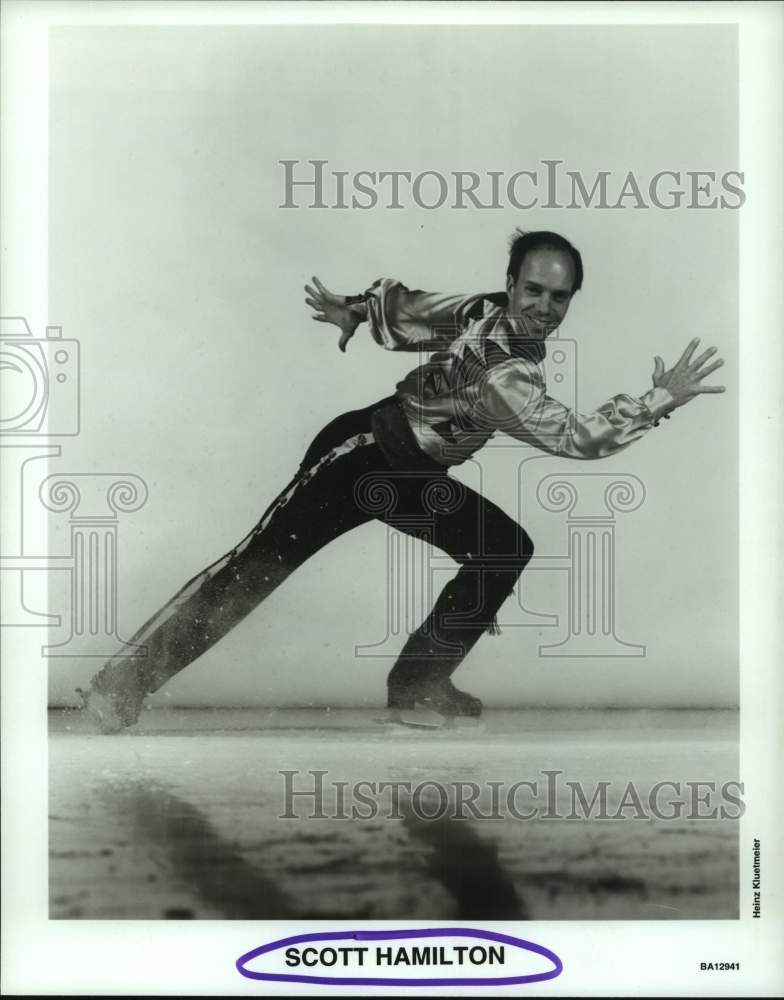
pixel 331 308
pixel 684 380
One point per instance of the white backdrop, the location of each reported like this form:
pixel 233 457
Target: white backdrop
pixel 202 372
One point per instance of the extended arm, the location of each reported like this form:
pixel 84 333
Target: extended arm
pixel 399 319
pixel 517 404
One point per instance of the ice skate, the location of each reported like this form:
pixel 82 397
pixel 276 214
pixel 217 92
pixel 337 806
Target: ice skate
pixel 433 705
pixel 112 711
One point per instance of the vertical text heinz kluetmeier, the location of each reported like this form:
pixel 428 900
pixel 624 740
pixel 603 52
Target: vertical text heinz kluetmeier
pixel 756 881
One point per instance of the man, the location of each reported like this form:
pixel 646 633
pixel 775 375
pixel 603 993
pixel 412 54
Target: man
pixel 390 462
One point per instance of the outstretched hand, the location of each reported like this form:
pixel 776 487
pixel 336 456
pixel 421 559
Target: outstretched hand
pixel 684 380
pixel 331 308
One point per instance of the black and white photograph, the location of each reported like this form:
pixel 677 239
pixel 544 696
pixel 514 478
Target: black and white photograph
pixel 391 457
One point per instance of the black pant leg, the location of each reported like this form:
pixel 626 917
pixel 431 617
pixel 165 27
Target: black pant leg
pixel 317 508
pixel 492 550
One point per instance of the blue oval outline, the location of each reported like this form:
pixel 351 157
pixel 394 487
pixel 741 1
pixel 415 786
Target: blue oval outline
pixel 396 935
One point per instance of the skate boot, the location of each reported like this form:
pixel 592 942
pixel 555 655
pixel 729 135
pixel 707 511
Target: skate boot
pixel 112 711
pixel 439 695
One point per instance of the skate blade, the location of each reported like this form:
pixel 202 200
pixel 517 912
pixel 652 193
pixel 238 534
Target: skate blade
pixel 414 719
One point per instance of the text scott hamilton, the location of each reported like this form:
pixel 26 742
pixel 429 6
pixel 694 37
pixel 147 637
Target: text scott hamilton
pixel 402 955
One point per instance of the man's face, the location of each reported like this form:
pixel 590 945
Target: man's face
pixel 542 292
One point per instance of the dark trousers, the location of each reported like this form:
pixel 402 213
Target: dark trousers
pixel 344 481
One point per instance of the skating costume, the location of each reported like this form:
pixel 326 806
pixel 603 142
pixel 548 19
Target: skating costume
pixel 389 462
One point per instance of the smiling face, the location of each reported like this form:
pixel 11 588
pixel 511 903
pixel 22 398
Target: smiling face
pixel 542 292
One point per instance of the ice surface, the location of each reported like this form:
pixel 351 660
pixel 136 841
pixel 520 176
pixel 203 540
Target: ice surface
pixel 181 817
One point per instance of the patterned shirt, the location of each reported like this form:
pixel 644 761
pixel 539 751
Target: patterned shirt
pixel 485 375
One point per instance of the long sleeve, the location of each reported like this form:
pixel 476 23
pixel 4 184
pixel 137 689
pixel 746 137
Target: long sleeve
pixel 405 320
pixel 515 401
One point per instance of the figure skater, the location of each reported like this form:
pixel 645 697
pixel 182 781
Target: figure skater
pixel 390 462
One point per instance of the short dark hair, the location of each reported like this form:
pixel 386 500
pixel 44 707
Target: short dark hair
pixel 522 243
